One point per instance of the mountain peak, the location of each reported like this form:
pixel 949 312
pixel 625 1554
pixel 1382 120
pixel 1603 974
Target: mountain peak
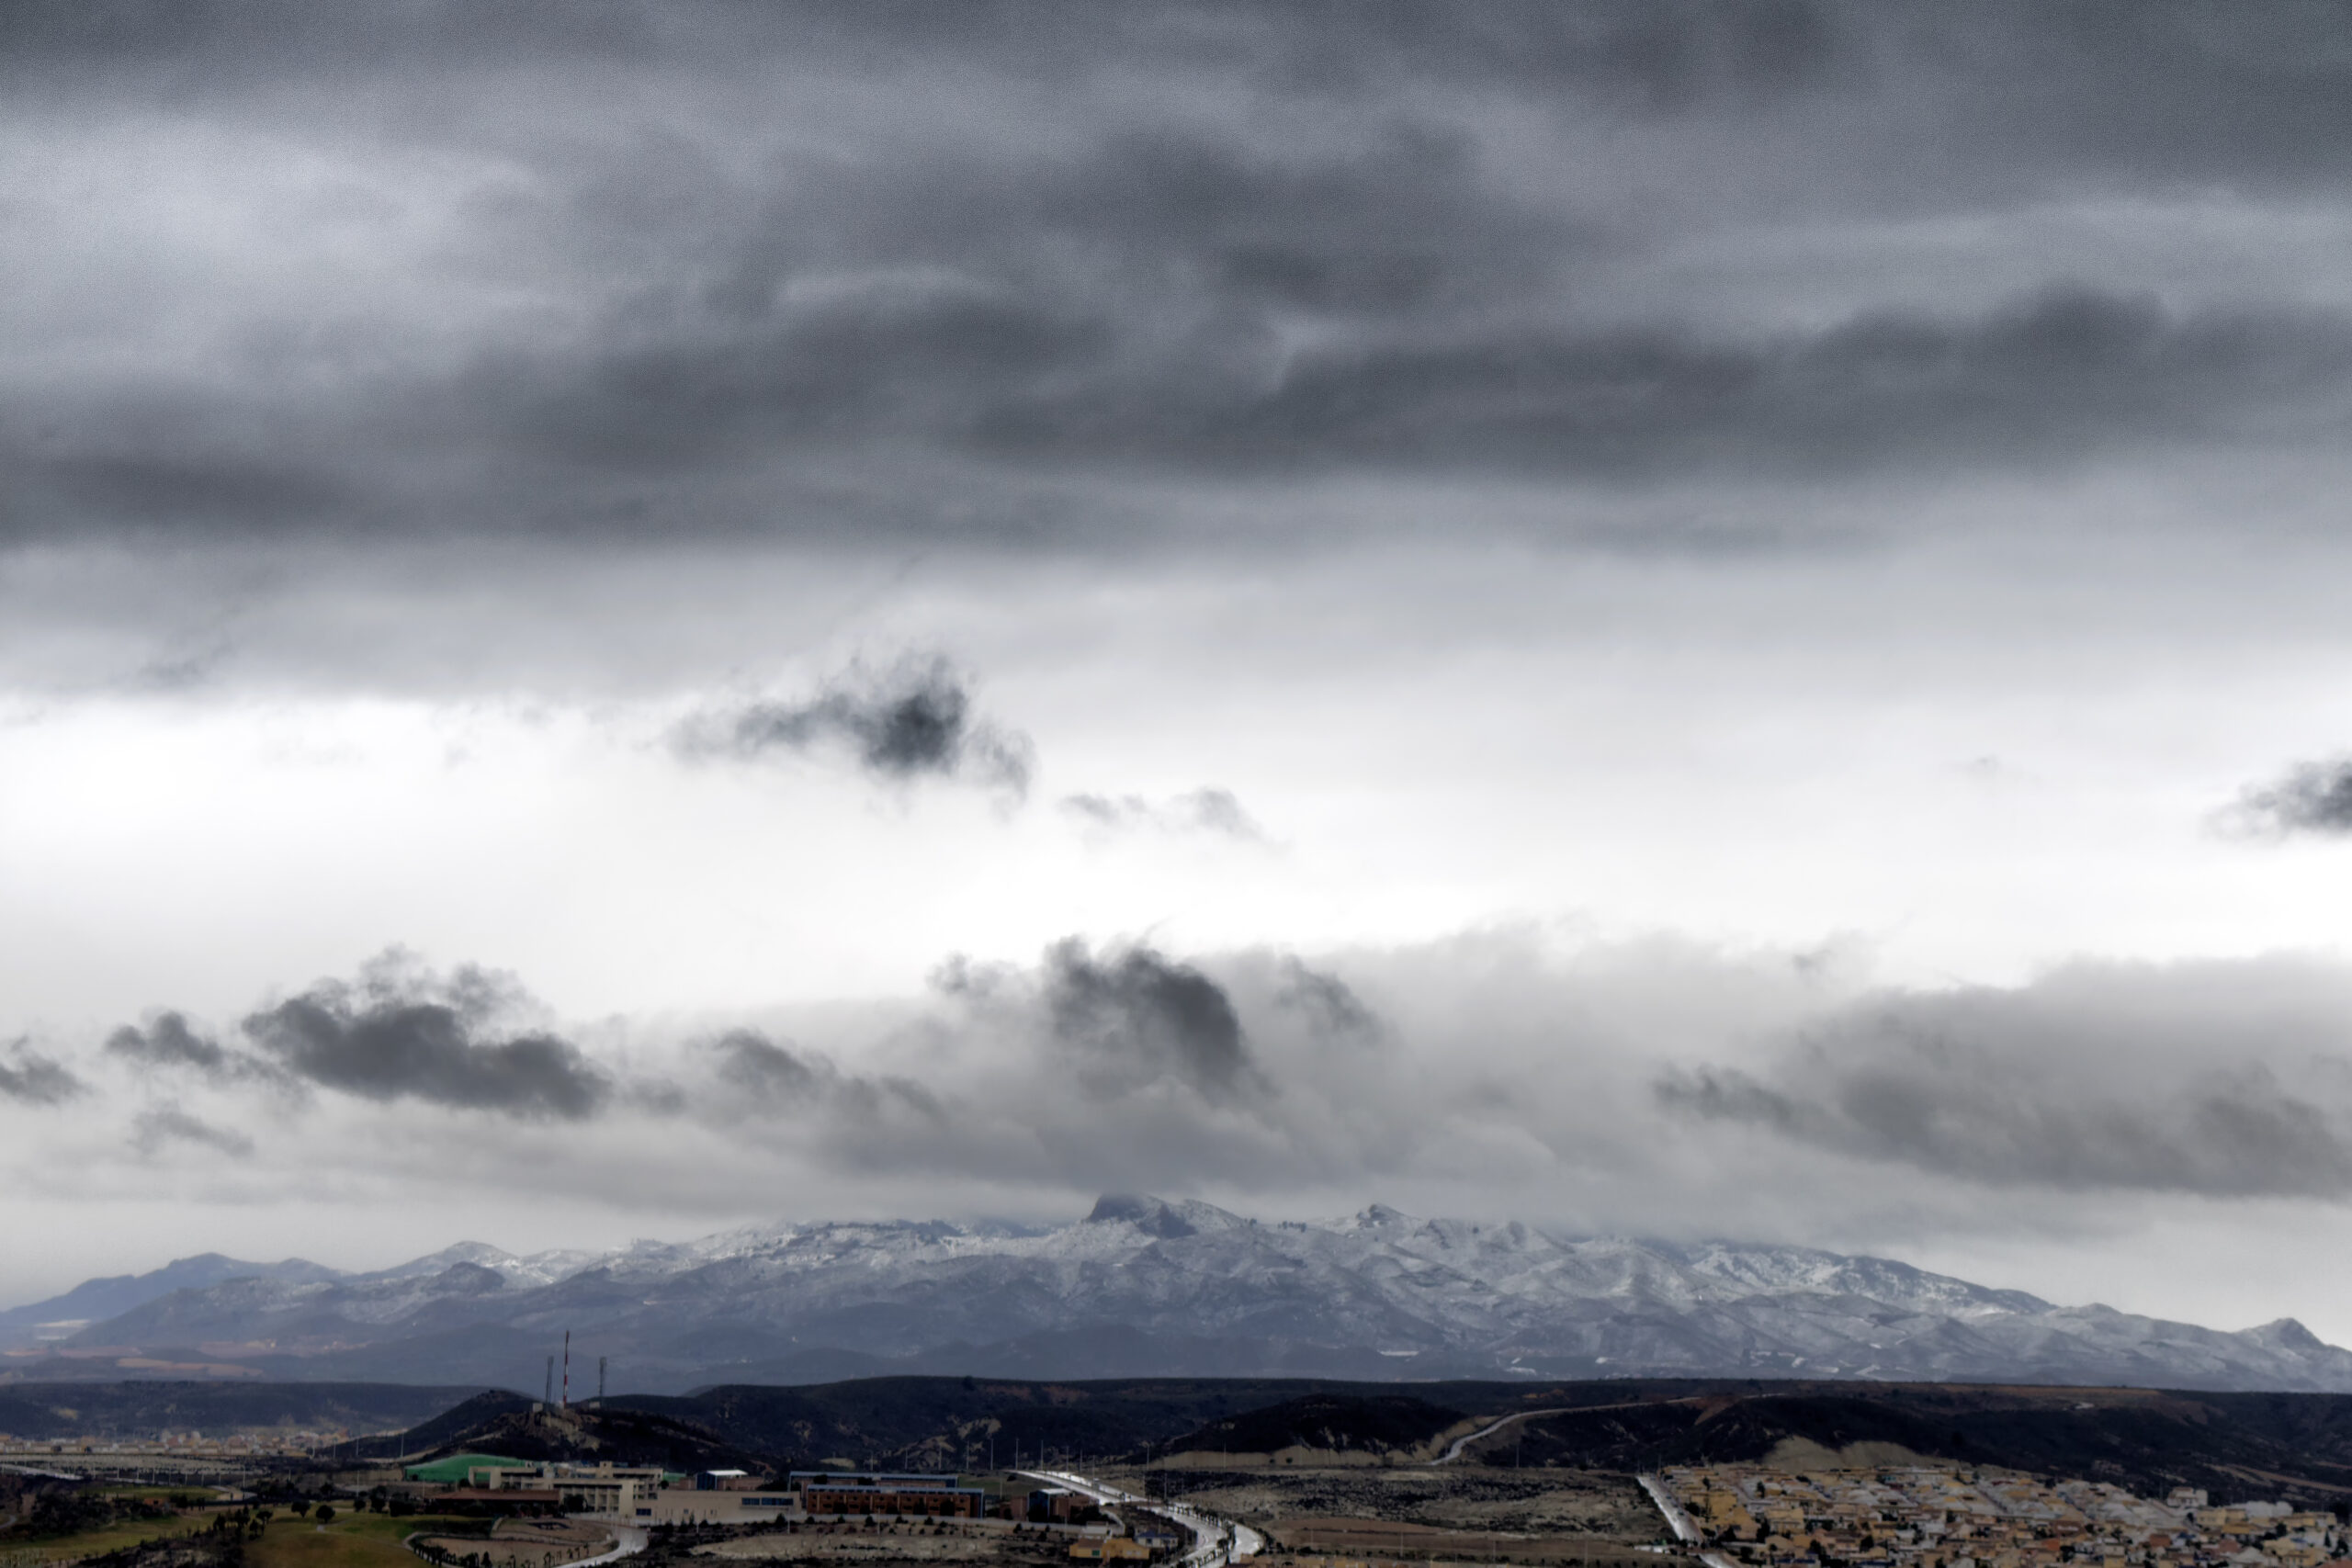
pixel 2287 1333
pixel 1148 1285
pixel 1155 1215
pixel 1160 1217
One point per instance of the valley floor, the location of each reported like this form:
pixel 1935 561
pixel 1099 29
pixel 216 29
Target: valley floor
pixel 1451 1514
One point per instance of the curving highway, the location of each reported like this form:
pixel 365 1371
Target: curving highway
pixel 1461 1443
pixel 1217 1540
pixel 1681 1523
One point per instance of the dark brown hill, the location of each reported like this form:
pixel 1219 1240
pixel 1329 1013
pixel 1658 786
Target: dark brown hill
pixel 140 1407
pixel 508 1425
pixel 2235 1445
pixel 1375 1423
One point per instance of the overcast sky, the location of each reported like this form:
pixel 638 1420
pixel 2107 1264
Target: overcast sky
pixel 1688 619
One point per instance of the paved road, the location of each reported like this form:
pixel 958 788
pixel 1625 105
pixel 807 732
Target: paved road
pixel 1220 1541
pixel 1461 1443
pixel 629 1541
pixel 1676 1520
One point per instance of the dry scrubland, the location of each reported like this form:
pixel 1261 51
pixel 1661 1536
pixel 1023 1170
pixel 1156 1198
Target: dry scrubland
pixel 528 1543
pixel 1464 1513
pixel 858 1543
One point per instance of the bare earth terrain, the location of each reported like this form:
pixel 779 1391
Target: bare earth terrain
pixel 1459 1514
pixel 989 1543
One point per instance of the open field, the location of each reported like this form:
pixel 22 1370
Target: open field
pixel 351 1540
pixel 25 1544
pixel 94 1542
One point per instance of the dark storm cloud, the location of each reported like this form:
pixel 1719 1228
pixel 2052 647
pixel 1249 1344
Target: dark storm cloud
pixel 35 1079
pixel 1207 810
pixel 2314 797
pixel 913 721
pixel 2225 1080
pixel 1134 1016
pixel 927 361
pixel 1021 386
pixel 1245 240
pixel 1667 55
pixel 1203 378
pixel 399 1033
pixel 214 486
pixel 2161 85
pixel 2057 376
pixel 1112 306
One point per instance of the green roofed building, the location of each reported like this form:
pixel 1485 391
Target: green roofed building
pixel 452 1471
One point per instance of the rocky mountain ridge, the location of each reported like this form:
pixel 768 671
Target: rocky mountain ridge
pixel 1144 1286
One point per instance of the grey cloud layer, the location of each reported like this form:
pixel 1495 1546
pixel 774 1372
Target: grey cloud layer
pixel 168 1040
pixel 2312 797
pixel 1243 241
pixel 403 1037
pixel 914 721
pixel 1481 1060
pixel 1205 810
pixel 2154 84
pixel 164 1124
pixel 398 1032
pixel 772 1076
pixel 1092 1063
pixel 2225 1080
pixel 35 1079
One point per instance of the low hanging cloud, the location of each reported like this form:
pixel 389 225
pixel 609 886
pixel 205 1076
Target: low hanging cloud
pixel 401 1032
pixel 165 1125
pixel 1207 810
pixel 758 1066
pixel 915 720
pixel 1482 1064
pixel 2224 1080
pixel 169 1040
pixel 759 1073
pixel 1134 1016
pixel 1330 1003
pixel 2311 798
pixel 34 1079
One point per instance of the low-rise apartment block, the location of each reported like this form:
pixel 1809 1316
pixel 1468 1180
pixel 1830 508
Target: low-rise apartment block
pixel 1935 1518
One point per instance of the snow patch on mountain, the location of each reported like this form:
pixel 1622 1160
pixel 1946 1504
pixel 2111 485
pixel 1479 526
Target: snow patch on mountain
pixel 1145 1285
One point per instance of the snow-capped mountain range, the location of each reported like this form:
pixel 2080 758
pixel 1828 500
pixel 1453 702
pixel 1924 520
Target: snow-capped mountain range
pixel 1140 1287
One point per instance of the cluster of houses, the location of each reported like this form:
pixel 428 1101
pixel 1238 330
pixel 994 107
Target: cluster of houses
pixel 1927 1517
